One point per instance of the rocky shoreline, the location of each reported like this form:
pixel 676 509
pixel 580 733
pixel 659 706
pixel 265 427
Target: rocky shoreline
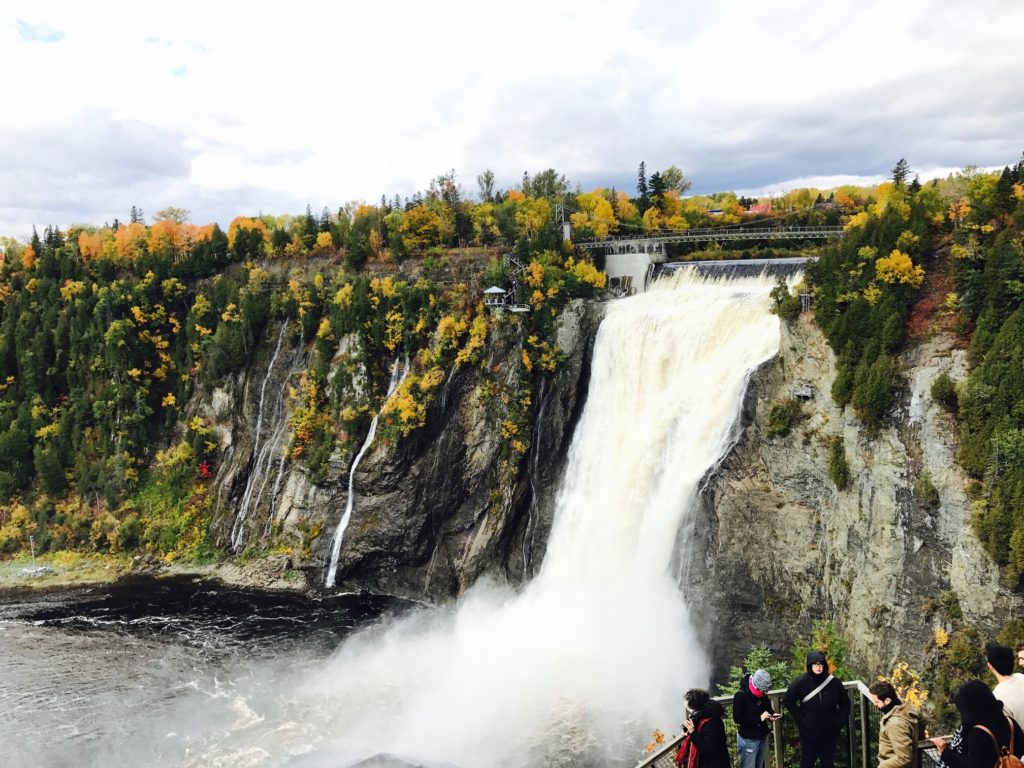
pixel 65 570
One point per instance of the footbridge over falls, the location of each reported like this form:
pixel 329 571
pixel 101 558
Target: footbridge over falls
pixel 632 262
pixel 655 243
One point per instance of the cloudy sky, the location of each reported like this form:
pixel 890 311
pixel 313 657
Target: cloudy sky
pixel 227 108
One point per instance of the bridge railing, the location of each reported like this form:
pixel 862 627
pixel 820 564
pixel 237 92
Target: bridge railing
pixel 715 233
pixel 858 743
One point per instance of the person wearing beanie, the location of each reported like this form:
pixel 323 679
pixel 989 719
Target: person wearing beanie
pixel 819 703
pixel 752 712
pixel 1010 686
pixel 897 733
pixel 985 729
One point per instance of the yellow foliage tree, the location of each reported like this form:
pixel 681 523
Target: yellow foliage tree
pixel 624 209
pixel 652 219
pixel 897 267
pixel 424 226
pixel 595 215
pixel 531 216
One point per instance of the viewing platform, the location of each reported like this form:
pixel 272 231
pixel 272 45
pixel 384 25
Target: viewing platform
pixel 858 742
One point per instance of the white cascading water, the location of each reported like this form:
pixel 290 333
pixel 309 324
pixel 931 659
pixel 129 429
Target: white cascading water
pixel 260 460
pixel 398 374
pixel 593 654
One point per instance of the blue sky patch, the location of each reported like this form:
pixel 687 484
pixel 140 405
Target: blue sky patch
pixel 42 33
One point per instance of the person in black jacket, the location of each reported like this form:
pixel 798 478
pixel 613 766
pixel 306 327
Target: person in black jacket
pixel 821 707
pixel 979 708
pixel 753 713
pixel 704 721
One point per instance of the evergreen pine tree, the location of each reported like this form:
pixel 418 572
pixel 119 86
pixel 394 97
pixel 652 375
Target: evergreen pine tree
pixel 642 190
pixel 900 172
pixel 309 228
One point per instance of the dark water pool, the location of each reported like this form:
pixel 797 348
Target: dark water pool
pixel 172 671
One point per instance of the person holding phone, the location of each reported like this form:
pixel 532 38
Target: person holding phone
pixel 752 712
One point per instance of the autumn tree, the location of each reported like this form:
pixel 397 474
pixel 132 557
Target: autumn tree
pixel 673 178
pixel 595 216
pixel 171 213
pixel 425 226
pixel 531 216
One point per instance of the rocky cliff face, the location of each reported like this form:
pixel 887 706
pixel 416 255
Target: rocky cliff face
pixel 433 511
pixel 777 546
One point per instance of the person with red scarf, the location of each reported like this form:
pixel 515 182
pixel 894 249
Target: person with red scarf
pixel 753 713
pixel 704 733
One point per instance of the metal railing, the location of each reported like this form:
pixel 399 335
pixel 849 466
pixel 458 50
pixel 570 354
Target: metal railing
pixel 715 234
pixel 857 746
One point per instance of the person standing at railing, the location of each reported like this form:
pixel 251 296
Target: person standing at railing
pixel 752 711
pixel 984 730
pixel 897 734
pixel 819 703
pixel 1010 686
pixel 703 743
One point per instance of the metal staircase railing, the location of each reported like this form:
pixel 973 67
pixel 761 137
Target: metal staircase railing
pixel 857 746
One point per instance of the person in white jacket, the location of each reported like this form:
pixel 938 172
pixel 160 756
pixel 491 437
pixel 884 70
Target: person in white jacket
pixel 1010 688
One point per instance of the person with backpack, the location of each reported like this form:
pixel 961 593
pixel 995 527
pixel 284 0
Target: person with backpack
pixel 703 744
pixel 753 713
pixel 897 732
pixel 819 703
pixel 989 739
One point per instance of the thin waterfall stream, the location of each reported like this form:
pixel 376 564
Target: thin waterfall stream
pixel 396 381
pixel 260 462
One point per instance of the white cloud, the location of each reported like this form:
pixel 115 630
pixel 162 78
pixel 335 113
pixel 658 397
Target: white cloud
pixel 283 104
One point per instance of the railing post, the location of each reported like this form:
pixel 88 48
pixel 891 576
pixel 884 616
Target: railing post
pixel 777 742
pixel 849 737
pixel 863 730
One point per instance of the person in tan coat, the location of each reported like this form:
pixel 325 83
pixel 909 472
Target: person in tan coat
pixel 897 736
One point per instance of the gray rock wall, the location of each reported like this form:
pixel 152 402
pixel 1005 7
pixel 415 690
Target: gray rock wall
pixel 778 546
pixel 434 511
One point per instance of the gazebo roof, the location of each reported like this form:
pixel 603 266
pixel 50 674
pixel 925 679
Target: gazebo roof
pixel 495 289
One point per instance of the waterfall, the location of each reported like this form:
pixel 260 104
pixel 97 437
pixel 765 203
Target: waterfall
pixel 581 665
pixel 396 381
pixel 260 462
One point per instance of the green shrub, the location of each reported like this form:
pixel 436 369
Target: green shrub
pixel 783 416
pixel 927 493
pixel 944 392
pixel 838 469
pixel 873 390
pixel 785 304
